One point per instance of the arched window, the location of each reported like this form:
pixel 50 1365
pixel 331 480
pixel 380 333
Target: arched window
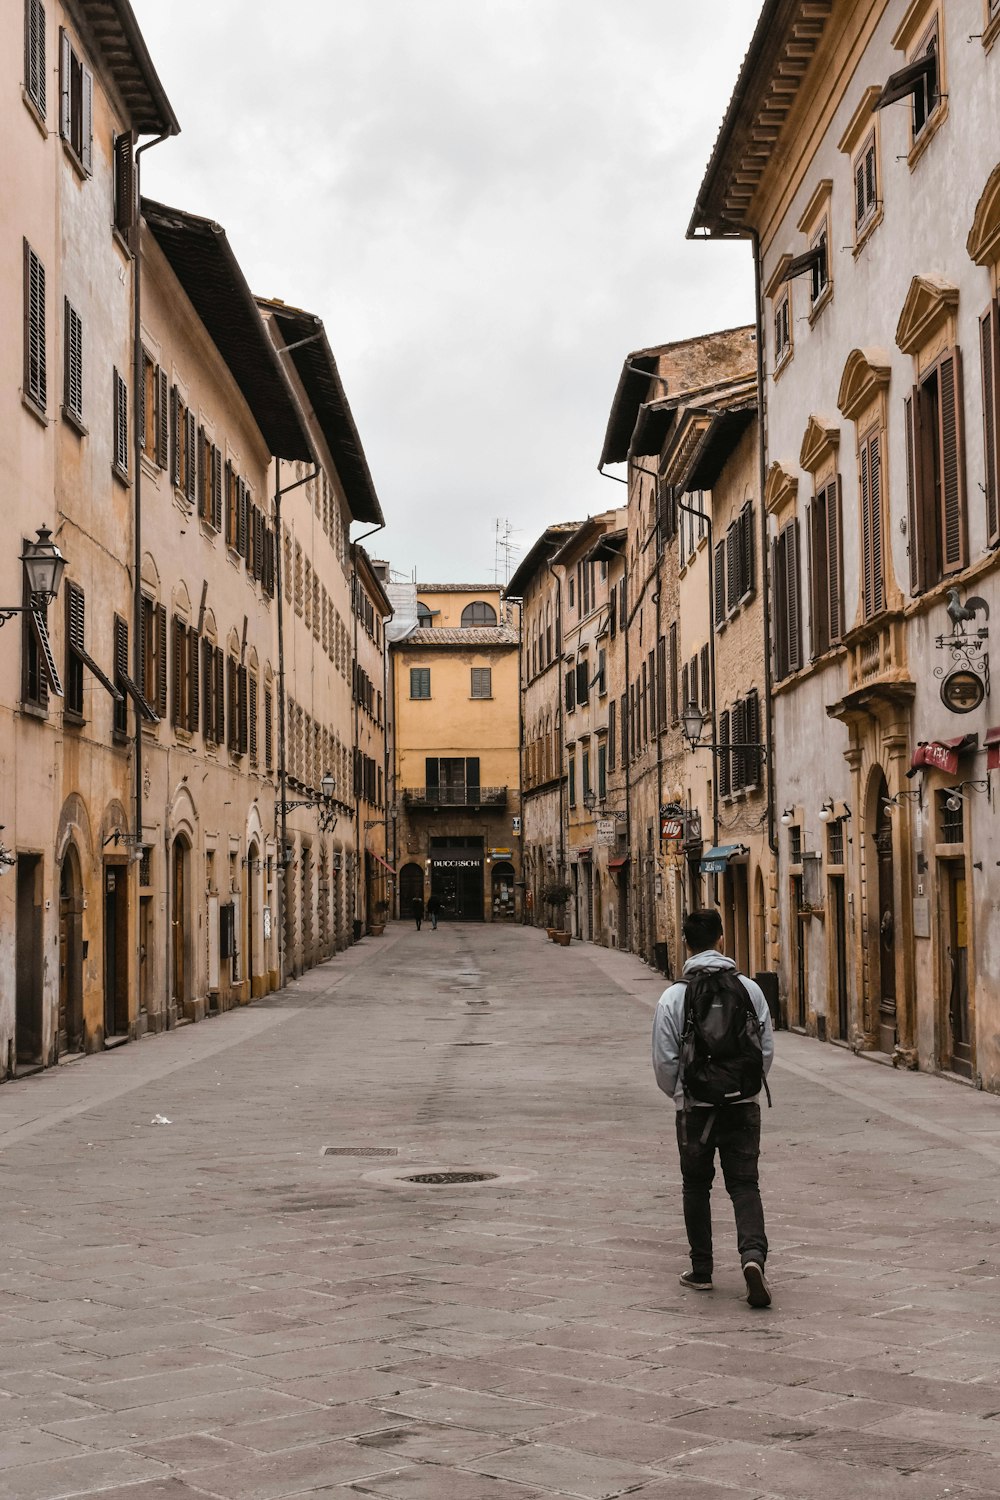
pixel 478 614
pixel 425 619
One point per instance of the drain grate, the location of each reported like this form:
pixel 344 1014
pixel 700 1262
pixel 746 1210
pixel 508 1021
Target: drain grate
pixel 440 1179
pixel 360 1151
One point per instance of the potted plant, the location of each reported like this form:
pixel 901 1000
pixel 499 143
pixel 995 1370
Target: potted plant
pixel 376 922
pixel 555 896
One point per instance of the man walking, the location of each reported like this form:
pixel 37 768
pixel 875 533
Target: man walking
pixel 417 908
pixel 712 1048
pixel 433 908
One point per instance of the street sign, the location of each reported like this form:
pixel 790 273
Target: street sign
pixel 671 829
pixel 606 831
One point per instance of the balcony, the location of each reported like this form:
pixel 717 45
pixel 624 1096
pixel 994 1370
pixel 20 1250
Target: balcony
pixel 432 798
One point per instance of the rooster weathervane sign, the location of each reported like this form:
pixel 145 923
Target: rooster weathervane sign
pixel 966 675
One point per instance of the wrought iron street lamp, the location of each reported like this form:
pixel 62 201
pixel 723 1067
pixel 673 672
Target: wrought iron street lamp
pixel 693 722
pixel 327 818
pixel 43 566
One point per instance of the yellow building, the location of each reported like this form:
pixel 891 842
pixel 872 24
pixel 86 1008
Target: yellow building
pixel 457 757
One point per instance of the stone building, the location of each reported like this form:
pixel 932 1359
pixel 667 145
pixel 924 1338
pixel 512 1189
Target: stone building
pixel 664 541
pixel 77 90
pixel 331 699
pixel 372 815
pixel 457 754
pixel 859 156
pixel 588 719
pixel 538 589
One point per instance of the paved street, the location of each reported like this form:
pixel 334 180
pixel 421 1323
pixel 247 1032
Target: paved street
pixel 216 1307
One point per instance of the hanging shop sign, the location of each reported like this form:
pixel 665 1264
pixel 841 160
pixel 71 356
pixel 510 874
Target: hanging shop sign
pixel 963 691
pixel 606 831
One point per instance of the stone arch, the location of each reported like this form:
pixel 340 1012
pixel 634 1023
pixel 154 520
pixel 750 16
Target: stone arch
pixel 74 827
pixel 180 600
pixel 209 628
pixel 780 488
pixel 150 575
pixel 865 373
pixel 182 813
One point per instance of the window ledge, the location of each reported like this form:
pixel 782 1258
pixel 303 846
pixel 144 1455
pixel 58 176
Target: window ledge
pixel 75 421
pixel 782 364
pixel 33 710
pixel 121 476
pixel 35 113
pixel 150 467
pixel 823 300
pixel 120 739
pixel 30 404
pixel 75 161
pixel 121 242
pixel 933 124
pixel 863 232
pixel 72 719
pixel 182 735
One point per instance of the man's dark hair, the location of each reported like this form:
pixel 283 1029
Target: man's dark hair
pixel 702 929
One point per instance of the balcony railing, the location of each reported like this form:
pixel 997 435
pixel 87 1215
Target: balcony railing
pixel 454 796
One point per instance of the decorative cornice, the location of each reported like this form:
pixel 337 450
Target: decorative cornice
pixel 929 303
pixel 860 122
pixel 820 441
pixel 866 372
pixel 818 201
pixel 983 243
pixel 781 488
pixel 774 284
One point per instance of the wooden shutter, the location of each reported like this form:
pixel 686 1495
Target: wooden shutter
pixel 693 679
pixel 231 508
pixel 35 373
pixel 834 560
pixel 190 459
pixel 674 688
pixel 748 550
pixel 719 584
pixel 623 726
pixel 859 192
pixel 161 660
pixel 738 730
pixel 65 69
pixel 914 489
pixel 706 683
pixel 121 423
pixel 73 360
pixel 194 676
pixel 779 611
pixel 989 346
pixel 241 708
pixel 953 529
pixel 176 436
pixel 570 691
pixel 208 695
pixel 733 589
pixel 268 731
pixel 816 572
pixel 120 655
pixel 125 204
pixel 751 733
pixel 725 771
pixel 87 121
pixel 253 718
pixel 161 418
pixel 661 683
pixel 794 594
pixel 34 54
pixel 875 491
pixel 612 732
pixel 75 620
pixel 216 516
pixel 232 710
pixel 219 695
pixel 179 717
pixel 685 687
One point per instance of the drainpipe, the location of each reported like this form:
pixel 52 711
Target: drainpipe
pixel 137 437
pixel 520 749
pixel 765 572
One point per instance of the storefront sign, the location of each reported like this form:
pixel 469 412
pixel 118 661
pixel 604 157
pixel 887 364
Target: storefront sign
pixel 456 864
pixel 671 829
pixel 499 853
pixel 962 691
pixel 606 831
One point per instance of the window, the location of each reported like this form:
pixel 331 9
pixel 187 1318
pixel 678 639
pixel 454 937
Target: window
pixel 612 728
pixel 213 693
pixel 478 615
pixel 719 597
pixel 872 561
pixel 184 448
pixel 452 780
pixel 819 271
pixel 782 328
pixel 825 568
pixel 583 682
pixel 153 411
pixel 75 613
pixel 787 601
pixel 38 666
pixel 865 184
pixel 571 761
pixel 125 196
pixel 725 755
pixel 585 771
pixel 571 690
pixel 602 671
pixel 119 448
pixel 919 80
pixel 153 655
pixel 236 706
pixel 935 474
pixel 76 103
pixel 72 363
pixel 482 682
pixel 425 619
pixel 420 682
pixel 989 348
pixel 252 715
pixel 187 653
pixel 674 663
pixel 572 592
pixel 268 730
pixel 602 769
pixel 706 679
pixel 120 659
pixel 34 54
pixel 35 365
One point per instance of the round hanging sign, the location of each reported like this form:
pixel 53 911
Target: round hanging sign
pixel 962 691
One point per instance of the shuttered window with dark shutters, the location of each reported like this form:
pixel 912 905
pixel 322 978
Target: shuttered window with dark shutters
pixel 219 694
pixel 834 560
pixel 816 570
pixel 35 76
pixel 989 347
pixel 179 717
pixel 954 545
pixel 72 363
pixel 75 620
pixel 748 551
pixel 612 732
pixel 685 688
pixel 675 705
pixel 570 691
pixel 252 716
pixel 794 597
pixel 661 683
pixel 35 362
pixel 872 573
pixel 120 443
pixel 623 727
pixel 935 474
pixel 583 682
pixel 738 729
pixel 865 183
pixel 160 650
pixel 719 584
pixel 120 718
pixel 725 769
pixel 125 204
pixel 733 568
pixel 193 680
pixel 76 103
pixel 751 730
pixel 268 730
pixel 787 601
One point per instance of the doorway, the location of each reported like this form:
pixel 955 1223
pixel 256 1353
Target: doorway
pixel 253 900
pixel 70 953
pixel 29 962
pixel 882 921
pixel 502 880
pixel 115 951
pixel 737 900
pixel 180 882
pixel 955 919
pixel 838 938
pixel 760 954
pixel 411 887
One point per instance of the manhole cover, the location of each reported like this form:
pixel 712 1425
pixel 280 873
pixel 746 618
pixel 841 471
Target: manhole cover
pixel 473 1044
pixel 360 1151
pixel 440 1179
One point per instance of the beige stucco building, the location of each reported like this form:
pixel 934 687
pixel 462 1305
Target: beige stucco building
pixel 457 754
pixel 860 156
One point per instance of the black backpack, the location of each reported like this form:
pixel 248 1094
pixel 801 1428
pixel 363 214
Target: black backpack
pixel 722 1056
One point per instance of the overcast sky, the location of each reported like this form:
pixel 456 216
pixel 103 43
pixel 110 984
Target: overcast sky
pixel 485 201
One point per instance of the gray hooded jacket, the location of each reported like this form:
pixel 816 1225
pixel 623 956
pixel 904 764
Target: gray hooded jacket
pixel 669 1024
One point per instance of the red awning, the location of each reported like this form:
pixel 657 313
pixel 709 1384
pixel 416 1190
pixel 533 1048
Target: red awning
pixel 380 860
pixel 993 748
pixel 617 864
pixel 941 755
pixel 582 853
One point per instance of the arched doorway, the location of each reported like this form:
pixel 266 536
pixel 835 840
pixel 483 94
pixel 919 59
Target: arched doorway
pixel 180 880
pixel 881 887
pixel 502 891
pixel 70 953
pixel 252 907
pixel 759 923
pixel 411 885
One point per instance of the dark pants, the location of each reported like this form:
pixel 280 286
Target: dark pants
pixel 418 920
pixel 735 1134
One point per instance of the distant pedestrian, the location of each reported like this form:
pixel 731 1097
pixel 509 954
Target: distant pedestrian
pixel 417 908
pixel 712 1048
pixel 433 907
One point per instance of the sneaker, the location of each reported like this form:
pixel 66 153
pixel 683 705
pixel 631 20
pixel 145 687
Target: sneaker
pixel 698 1282
pixel 758 1291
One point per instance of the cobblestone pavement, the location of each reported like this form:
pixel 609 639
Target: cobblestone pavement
pixel 219 1308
